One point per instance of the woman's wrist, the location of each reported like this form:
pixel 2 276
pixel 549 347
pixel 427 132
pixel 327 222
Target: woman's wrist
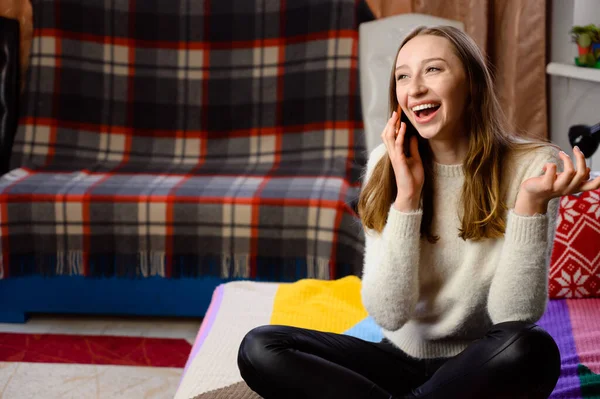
pixel 406 205
pixel 530 206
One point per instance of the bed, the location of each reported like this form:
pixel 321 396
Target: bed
pixel 572 316
pixel 237 307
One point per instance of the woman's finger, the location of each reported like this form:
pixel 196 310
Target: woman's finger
pixel 388 134
pixel 564 179
pixel 549 177
pixel 590 185
pixel 579 177
pixel 391 127
pixel 393 120
pixel 400 139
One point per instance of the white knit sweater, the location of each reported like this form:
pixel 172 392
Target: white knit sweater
pixel 432 300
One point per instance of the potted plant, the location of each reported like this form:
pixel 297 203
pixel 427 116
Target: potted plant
pixel 587 38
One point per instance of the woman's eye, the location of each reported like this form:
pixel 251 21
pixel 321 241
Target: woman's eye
pixel 433 69
pixel 400 77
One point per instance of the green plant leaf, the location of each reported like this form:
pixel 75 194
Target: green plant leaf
pixel 584 40
pixel 592 31
pixel 590 60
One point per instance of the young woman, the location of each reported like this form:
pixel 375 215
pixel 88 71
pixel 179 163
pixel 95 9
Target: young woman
pixel 459 230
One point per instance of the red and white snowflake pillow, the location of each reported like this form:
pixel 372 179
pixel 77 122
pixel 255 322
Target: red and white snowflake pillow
pixel 575 262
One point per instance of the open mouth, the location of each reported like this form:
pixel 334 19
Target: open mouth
pixel 426 112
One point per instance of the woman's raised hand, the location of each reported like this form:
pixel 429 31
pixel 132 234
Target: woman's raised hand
pixel 408 170
pixel 535 192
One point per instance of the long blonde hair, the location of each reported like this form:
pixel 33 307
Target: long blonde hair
pixel 489 144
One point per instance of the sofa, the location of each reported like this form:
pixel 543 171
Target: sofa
pixel 159 149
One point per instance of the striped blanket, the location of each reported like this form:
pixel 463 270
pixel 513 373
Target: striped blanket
pixel 211 370
pixel 187 138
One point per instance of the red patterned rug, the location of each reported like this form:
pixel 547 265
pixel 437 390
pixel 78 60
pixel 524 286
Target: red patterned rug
pixel 93 349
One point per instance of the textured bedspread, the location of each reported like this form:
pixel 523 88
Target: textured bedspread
pixel 211 370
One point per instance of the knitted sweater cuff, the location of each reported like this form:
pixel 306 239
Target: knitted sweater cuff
pixel 404 224
pixel 526 229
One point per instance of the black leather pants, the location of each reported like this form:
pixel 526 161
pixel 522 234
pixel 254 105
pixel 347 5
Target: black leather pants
pixel 513 360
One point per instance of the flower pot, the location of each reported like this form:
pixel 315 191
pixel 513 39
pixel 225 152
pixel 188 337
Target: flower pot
pixel 584 50
pixel 586 62
pixel 595 49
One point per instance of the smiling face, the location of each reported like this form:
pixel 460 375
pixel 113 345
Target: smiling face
pixel 431 87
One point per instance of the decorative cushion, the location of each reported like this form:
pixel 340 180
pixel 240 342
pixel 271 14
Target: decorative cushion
pixel 575 262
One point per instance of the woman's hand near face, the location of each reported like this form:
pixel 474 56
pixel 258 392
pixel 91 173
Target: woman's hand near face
pixel 408 171
pixel 536 192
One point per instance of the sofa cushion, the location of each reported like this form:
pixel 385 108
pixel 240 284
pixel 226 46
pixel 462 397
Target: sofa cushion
pixel 279 226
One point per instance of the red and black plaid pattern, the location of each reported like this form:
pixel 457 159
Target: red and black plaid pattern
pixel 187 137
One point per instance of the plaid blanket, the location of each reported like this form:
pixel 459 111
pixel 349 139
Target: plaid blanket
pixel 187 138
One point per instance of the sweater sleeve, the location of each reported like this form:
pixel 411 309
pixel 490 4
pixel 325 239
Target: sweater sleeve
pixel 519 289
pixel 390 281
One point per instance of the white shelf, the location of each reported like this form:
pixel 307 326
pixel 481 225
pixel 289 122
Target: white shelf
pixel 573 71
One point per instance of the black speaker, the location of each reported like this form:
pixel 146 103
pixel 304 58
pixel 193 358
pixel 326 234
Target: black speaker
pixel 587 138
